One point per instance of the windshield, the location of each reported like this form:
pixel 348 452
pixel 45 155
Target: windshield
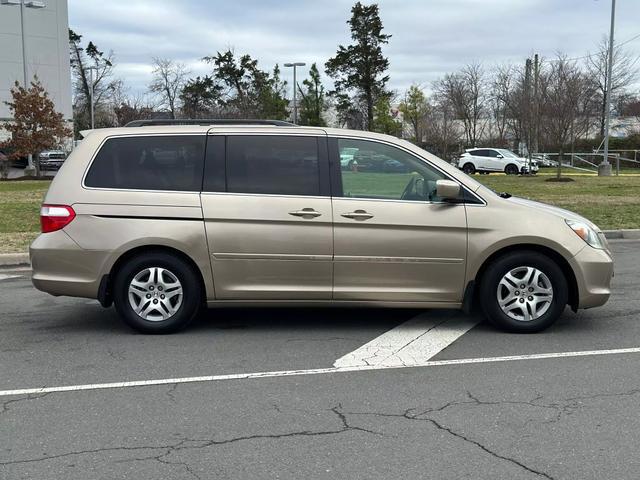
pixel 507 153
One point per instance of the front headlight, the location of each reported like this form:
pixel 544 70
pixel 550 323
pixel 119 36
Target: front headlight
pixel 586 233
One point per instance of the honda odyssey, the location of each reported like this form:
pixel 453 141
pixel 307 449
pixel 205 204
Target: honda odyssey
pixel 162 219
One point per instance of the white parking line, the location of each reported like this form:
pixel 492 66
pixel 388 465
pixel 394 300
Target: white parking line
pixel 314 371
pixel 7 277
pixel 410 343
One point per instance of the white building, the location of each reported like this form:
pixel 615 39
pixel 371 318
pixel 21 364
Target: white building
pixel 46 42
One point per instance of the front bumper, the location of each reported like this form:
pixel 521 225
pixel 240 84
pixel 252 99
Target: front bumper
pixel 593 269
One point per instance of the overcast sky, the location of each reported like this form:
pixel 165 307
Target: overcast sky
pixel 429 37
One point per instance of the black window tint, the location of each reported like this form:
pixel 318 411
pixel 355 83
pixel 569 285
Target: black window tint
pixel 214 180
pixel 480 153
pixel 149 163
pixel 286 165
pixel 492 153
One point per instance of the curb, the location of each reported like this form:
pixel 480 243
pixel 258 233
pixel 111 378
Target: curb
pixel 14 259
pixel 623 233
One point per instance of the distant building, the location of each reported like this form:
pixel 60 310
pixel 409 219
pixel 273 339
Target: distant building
pixel 47 51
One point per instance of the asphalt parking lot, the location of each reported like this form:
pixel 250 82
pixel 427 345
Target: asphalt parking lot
pixel 486 406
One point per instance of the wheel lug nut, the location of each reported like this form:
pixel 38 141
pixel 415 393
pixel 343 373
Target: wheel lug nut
pixel 531 289
pixel 155 300
pixel 160 288
pixel 162 297
pixel 522 286
pixel 148 295
pixel 517 292
pixel 151 287
pixel 530 298
pixel 522 300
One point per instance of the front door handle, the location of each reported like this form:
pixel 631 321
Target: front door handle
pixel 305 213
pixel 358 215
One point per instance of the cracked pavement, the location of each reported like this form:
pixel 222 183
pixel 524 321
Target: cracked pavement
pixel 551 419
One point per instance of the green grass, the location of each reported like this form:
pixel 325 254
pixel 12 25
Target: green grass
pixel 20 214
pixel 390 185
pixel 610 202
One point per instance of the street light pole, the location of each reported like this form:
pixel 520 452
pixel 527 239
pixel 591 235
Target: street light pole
pixel 604 169
pixel 91 107
pixel 295 87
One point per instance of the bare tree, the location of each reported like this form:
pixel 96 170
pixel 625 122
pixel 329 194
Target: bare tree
pixel 567 95
pixel 169 78
pixel 92 72
pixel 126 107
pixel 441 132
pixel 465 91
pixel 623 74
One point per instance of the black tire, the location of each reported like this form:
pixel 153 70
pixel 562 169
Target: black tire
pixel 511 169
pixel 469 168
pixel 191 299
pixel 488 289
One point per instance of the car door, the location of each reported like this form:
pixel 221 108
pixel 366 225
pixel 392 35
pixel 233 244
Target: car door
pixel 484 160
pixel 394 239
pixel 496 160
pixel 267 214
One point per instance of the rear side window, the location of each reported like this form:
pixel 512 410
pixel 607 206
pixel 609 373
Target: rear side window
pixel 284 165
pixel 149 163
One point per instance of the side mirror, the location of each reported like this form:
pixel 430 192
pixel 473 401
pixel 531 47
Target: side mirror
pixel 499 156
pixel 447 189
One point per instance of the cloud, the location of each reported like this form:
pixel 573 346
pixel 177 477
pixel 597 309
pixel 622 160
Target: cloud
pixel 429 37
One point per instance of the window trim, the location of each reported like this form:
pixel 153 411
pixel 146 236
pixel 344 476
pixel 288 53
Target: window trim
pixel 336 175
pixel 109 137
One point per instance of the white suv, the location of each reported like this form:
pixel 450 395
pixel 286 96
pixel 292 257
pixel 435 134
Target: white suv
pixel 485 160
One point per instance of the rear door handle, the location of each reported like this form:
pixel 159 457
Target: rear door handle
pixel 358 215
pixel 305 213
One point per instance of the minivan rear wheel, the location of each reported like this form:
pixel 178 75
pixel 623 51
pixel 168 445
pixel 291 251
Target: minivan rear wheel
pixel 523 292
pixel 157 292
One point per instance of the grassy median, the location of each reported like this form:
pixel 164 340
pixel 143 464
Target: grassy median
pixel 610 202
pixel 20 214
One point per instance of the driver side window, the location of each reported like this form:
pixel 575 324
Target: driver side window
pixel 379 171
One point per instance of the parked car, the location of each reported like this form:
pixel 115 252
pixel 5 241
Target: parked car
pixel 544 160
pixel 364 161
pixel 51 159
pixel 162 220
pixel 486 160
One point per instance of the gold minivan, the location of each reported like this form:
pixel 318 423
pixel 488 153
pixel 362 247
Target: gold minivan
pixel 162 219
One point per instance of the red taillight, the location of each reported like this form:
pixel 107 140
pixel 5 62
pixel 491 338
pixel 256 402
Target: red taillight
pixel 55 217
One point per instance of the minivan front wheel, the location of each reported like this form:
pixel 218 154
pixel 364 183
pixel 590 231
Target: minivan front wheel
pixel 523 292
pixel 157 292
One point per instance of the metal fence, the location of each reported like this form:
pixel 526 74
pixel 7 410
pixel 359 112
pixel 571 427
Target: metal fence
pixel 624 160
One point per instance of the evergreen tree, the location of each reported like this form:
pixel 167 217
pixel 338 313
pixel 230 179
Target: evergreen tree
pixel 312 104
pixel 359 69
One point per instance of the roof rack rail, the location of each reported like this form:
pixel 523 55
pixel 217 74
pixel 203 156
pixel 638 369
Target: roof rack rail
pixel 207 121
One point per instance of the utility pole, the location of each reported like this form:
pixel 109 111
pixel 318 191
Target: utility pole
pixel 527 89
pixel 295 88
pixel 604 169
pixel 91 106
pixel 536 103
